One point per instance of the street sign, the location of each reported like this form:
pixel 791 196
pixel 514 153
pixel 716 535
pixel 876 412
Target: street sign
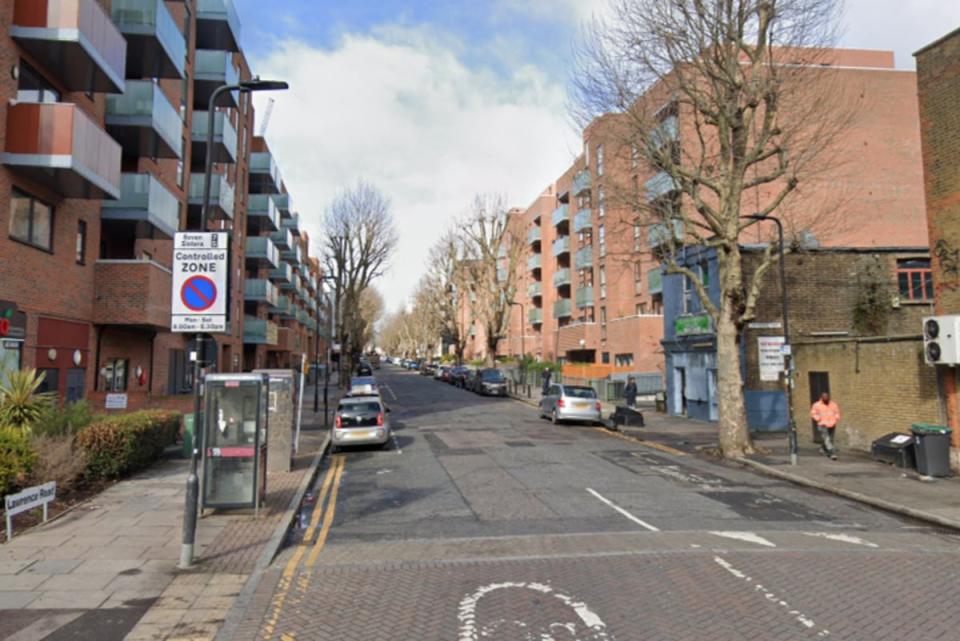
pixel 200 294
pixel 770 359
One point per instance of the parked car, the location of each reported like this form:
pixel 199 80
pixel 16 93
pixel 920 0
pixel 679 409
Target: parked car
pixel 413 365
pixel 571 403
pixel 460 375
pixel 438 375
pixel 364 369
pixel 363 386
pixel 489 382
pixel 361 420
pixel 428 369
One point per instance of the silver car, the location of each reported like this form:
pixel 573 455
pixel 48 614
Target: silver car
pixel 361 420
pixel 363 386
pixel 571 403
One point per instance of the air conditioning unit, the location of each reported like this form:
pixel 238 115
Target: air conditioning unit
pixel 941 340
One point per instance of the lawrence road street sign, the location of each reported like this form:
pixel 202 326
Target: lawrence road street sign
pixel 200 297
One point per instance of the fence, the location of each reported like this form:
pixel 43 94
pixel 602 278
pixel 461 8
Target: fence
pixel 608 389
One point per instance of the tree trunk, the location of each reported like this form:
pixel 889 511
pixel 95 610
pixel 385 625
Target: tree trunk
pixel 734 433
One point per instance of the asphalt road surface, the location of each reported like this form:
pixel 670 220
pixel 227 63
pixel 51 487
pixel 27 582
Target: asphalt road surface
pixel 483 521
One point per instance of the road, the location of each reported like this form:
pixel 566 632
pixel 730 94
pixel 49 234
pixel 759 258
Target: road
pixel 482 521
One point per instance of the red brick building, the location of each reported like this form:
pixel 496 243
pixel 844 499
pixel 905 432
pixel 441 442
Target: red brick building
pixel 102 147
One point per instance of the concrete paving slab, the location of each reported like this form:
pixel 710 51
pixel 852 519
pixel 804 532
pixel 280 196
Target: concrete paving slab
pixel 13 567
pixel 53 566
pixel 108 566
pixel 16 600
pixel 18 582
pixel 79 582
pixel 69 599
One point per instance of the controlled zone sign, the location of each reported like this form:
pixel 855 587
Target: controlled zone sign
pixel 200 297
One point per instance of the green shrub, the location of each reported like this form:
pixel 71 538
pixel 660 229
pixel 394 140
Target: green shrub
pixel 124 444
pixel 59 459
pixel 65 421
pixel 20 403
pixel 16 459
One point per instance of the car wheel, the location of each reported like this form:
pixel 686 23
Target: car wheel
pixel 554 418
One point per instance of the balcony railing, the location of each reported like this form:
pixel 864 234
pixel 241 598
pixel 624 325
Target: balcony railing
pixel 561 246
pixel 584 257
pixel 222 196
pixel 561 277
pixel 534 262
pixel 57 145
pixel 284 204
pixel 661 184
pixel 156 47
pixel 562 308
pixel 533 236
pixel 666 132
pixel 262 252
pixel 214 69
pixel 535 316
pixel 144 122
pixel 292 223
pixel 259 331
pixel 583 220
pixel 132 292
pixel 535 289
pixel 144 199
pixel 260 290
pixel 224 138
pixel 75 40
pixel 660 234
pixel 283 239
pixel 655 281
pixel 584 297
pixel 264 174
pixel 293 255
pixel 262 214
pixel 282 274
pixel 560 215
pixel 218 25
pixel 582 182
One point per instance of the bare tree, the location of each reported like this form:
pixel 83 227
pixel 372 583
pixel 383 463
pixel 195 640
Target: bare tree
pixel 440 289
pixel 728 99
pixel 359 239
pixel 370 312
pixel 490 266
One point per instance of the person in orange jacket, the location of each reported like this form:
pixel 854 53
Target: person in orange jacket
pixel 826 413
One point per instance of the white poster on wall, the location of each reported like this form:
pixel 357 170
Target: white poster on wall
pixel 770 357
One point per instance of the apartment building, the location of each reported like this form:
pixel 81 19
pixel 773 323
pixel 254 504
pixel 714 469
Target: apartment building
pixel 104 117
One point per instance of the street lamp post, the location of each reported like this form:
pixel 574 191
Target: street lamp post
pixel 191 508
pixel 316 379
pixel 523 339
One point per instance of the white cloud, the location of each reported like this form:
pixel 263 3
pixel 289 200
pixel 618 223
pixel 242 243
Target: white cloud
pixel 902 27
pixel 400 109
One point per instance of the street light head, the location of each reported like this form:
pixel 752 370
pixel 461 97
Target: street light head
pixel 263 85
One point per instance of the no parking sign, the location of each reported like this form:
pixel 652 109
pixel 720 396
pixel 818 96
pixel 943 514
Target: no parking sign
pixel 200 292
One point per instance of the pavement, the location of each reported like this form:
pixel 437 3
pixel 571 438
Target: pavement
pixel 483 521
pixel 107 569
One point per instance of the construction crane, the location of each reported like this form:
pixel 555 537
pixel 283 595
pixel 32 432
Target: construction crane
pixel 266 117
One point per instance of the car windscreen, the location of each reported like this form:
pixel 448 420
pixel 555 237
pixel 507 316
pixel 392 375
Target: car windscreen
pixel 360 407
pixel 361 381
pixel 492 376
pixel 579 392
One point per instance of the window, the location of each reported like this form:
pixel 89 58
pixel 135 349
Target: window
pixel 637 277
pixel 637 232
pixel 602 240
pixel 179 373
pixel 601 202
pixel 603 315
pixel 50 382
pixel 31 220
pixel 704 274
pixel 641 309
pixel 687 295
pixel 605 358
pixel 115 375
pixel 32 87
pixel 634 156
pixel 599 160
pixel 81 242
pixel 623 360
pixel 915 279
pixel 603 282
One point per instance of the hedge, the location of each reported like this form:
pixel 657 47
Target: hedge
pixel 16 459
pixel 127 443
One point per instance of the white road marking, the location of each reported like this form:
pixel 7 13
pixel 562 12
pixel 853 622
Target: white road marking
pixel 674 471
pixel 801 618
pixel 749 537
pixel 843 538
pixel 393 437
pixel 471 630
pixel 389 389
pixel 622 511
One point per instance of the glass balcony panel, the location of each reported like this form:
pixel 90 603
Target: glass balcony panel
pixel 144 122
pixel 534 290
pixel 562 308
pixel 224 138
pixel 561 246
pixel 283 239
pixel 213 69
pixel 218 25
pixel 659 234
pixel 584 297
pixel 582 221
pixel 560 215
pixel 661 184
pixel 156 47
pixel 292 223
pixel 262 214
pixel 534 262
pixel 535 316
pixel 533 236
pixel 259 331
pixel 584 257
pixel 264 174
pixel 144 199
pixel 655 281
pixel 561 277
pixel 582 182
pixel 262 251
pixel 222 196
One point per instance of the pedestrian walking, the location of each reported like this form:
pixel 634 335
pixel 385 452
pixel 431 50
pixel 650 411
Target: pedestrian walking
pixel 545 380
pixel 630 392
pixel 826 413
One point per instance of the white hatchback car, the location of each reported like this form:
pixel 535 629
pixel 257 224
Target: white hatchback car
pixel 571 403
pixel 361 420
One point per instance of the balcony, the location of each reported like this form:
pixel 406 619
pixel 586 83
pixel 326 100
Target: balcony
pixel 260 290
pixel 264 174
pixel 135 293
pixel 262 214
pixel 286 309
pixel 292 223
pixel 282 274
pixel 667 132
pixel 283 239
pixel 214 69
pixel 560 215
pixel 293 255
pixel 582 182
pixel 218 25
pixel 258 331
pixel 561 246
pixel 535 316
pixel 59 146
pixel 156 47
pixel 561 277
pixel 533 236
pixel 261 252
pixel 535 290
pixel 660 185
pixel 655 281
pixel 284 204
pixel 146 205
pixel 562 308
pixel 224 138
pixel 144 122
pixel 659 234
pixel 584 258
pixel 582 221
pixel 222 196
pixel 534 263
pixel 75 40
pixel 584 297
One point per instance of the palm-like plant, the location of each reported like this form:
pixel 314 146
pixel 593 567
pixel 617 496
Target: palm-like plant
pixel 20 403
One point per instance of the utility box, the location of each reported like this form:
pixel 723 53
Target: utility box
pixel 235 428
pixel 895 448
pixel 282 410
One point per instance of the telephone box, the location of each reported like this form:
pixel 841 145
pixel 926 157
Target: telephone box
pixel 282 408
pixel 235 440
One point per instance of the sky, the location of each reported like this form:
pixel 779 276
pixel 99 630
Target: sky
pixel 434 101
